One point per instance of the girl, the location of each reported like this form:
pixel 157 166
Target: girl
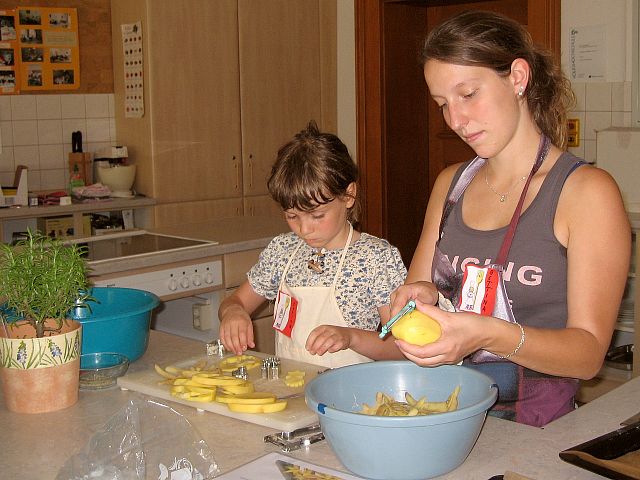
pixel 565 268
pixel 331 284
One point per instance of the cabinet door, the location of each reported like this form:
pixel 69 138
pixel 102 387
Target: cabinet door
pixel 280 86
pixel 194 99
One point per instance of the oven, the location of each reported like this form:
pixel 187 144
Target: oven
pixel 185 273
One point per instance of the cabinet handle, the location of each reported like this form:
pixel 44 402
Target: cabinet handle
pixel 250 170
pixel 237 167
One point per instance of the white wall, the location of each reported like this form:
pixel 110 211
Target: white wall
pixel 607 102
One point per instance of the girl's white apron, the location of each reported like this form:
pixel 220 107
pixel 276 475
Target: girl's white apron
pixel 316 306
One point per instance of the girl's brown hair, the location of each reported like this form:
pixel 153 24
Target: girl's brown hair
pixel 313 169
pixel 487 39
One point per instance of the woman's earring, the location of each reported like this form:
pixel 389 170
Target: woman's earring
pixel 521 92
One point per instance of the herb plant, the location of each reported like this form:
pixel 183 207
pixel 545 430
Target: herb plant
pixel 42 278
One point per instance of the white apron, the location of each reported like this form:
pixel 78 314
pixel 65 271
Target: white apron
pixel 316 306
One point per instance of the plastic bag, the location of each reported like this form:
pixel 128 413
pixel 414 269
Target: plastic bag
pixel 145 440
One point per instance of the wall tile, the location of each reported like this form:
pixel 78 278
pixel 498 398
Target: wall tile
pixel 73 106
pixel 595 121
pixel 52 179
pixel 617 97
pixel 6 161
pixel 49 132
pixel 98 130
pixel 51 156
pixel 598 97
pixel 25 132
pixel 48 107
pixel 7 133
pixel 23 107
pixel 5 107
pixel 97 106
pixel 28 156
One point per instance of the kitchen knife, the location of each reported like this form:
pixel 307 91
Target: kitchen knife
pixel 76 142
pixel 291 471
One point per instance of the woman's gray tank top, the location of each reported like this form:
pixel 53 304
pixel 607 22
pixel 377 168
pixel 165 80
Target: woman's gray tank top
pixel 536 269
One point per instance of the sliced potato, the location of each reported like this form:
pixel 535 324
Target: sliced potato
pixel 276 406
pixel 247 398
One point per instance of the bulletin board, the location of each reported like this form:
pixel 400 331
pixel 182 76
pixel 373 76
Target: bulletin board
pixel 43 49
pixel 9 81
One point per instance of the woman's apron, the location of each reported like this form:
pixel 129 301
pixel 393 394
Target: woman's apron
pixel 315 306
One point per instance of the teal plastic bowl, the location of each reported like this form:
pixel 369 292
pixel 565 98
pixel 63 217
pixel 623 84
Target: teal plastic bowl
pixel 118 321
pixel 392 448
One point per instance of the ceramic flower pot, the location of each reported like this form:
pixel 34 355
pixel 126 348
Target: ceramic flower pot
pixel 40 374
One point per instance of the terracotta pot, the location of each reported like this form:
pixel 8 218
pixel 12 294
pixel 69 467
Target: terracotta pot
pixel 40 374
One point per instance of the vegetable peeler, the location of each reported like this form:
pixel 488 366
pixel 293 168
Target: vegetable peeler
pixel 386 328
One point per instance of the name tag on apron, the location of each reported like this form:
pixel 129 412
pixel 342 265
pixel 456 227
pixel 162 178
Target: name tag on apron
pixel 479 286
pixel 284 313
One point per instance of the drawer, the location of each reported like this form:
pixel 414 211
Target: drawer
pixel 237 264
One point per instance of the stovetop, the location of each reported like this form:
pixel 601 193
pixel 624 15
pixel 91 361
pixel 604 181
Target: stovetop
pixel 127 244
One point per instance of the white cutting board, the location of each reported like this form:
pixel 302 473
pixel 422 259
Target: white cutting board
pixel 296 415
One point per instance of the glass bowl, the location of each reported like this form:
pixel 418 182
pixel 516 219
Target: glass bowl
pixel 101 370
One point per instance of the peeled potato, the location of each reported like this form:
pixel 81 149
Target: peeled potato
pixel 416 328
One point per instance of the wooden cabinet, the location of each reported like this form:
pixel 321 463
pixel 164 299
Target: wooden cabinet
pixel 225 84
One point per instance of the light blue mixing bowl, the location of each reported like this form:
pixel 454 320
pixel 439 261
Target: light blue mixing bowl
pixel 393 448
pixel 118 321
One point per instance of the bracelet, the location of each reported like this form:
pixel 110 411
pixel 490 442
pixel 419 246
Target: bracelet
pixel 519 344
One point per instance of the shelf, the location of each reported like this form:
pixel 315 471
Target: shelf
pixel 140 205
pixel 111 204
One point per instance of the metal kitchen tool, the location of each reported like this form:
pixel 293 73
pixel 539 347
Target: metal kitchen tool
pixel 386 328
pixel 296 439
pixel 215 348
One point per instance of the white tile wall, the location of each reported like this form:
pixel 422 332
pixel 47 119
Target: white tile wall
pixel 35 131
pixel 599 106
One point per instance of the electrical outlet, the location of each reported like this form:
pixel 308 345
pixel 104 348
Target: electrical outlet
pixel 573 132
pixel 202 316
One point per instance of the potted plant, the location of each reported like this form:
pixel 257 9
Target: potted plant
pixel 41 281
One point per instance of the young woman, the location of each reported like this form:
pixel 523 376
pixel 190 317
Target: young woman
pixel 565 268
pixel 331 284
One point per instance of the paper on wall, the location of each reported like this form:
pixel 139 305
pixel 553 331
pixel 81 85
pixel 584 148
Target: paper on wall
pixel 133 70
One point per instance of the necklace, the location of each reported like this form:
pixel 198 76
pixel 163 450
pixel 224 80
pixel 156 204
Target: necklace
pixel 503 196
pixel 316 262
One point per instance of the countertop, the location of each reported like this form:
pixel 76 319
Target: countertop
pixel 36 446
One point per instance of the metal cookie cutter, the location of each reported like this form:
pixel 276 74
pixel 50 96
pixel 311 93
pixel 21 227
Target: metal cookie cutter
pixel 301 437
pixel 270 368
pixel 240 372
pixel 386 328
pixel 215 348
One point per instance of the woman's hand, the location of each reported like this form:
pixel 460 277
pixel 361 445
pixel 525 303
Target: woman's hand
pixel 423 292
pixel 461 336
pixel 328 338
pixel 236 330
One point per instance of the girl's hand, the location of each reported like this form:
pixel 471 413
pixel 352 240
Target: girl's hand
pixel 328 338
pixel 461 336
pixel 423 292
pixel 236 330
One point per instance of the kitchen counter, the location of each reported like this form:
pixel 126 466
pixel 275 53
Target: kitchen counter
pixel 36 446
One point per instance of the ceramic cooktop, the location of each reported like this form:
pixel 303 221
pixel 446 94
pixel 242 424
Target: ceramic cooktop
pixel 138 243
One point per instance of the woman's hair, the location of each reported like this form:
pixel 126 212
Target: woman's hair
pixel 487 39
pixel 313 169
